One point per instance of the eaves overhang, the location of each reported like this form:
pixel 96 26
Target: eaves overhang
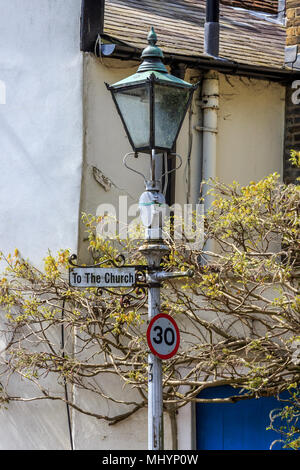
pixel 124 51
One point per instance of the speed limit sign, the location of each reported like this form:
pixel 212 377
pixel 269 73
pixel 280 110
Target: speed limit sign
pixel 163 336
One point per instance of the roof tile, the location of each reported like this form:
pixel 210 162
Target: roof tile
pixel 244 37
pixel 268 6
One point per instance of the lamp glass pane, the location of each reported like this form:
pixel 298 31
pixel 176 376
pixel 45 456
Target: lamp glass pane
pixel 169 108
pixel 135 109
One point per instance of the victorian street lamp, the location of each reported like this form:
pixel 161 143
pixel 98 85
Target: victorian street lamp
pixel 152 105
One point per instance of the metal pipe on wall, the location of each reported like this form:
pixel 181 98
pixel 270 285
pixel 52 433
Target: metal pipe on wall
pixel 210 107
pixel 210 98
pixel 205 121
pixel 212 28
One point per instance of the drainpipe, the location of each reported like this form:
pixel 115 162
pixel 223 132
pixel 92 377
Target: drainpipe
pixel 204 120
pixel 209 132
pixel 210 95
pixel 210 106
pixel 212 28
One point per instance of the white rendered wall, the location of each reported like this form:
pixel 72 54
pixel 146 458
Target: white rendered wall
pixel 251 129
pixel 40 125
pixel 40 172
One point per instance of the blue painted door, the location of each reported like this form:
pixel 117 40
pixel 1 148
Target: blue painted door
pixel 235 426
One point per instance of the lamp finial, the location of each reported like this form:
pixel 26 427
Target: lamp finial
pixel 152 55
pixel 152 38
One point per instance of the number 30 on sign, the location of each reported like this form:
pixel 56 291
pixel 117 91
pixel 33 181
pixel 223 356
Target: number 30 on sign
pixel 163 336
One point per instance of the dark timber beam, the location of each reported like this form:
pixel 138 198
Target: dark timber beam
pixel 92 19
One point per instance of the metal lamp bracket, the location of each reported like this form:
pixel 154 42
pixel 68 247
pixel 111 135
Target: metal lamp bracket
pixel 135 154
pixel 151 185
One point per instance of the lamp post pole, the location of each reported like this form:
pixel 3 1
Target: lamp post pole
pixel 154 249
pixel 155 388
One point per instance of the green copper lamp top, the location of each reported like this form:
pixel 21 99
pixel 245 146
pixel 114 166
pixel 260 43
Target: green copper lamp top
pixel 152 65
pixel 152 55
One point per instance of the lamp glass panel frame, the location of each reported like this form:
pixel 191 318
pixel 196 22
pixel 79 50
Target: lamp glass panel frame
pixel 149 85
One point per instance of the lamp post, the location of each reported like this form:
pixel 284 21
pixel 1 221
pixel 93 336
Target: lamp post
pixel 152 105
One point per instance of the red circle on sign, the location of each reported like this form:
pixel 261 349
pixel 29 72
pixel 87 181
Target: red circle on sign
pixel 149 340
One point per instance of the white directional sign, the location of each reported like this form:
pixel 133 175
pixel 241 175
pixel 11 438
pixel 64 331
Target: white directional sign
pixel 101 277
pixel 163 336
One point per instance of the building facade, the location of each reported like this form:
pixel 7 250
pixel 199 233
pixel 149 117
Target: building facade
pixel 62 144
